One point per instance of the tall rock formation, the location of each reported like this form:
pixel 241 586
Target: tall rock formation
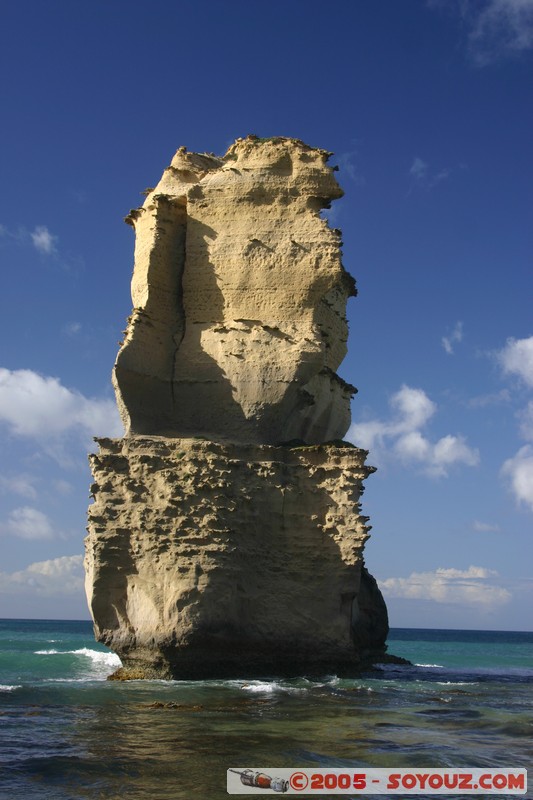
pixel 226 536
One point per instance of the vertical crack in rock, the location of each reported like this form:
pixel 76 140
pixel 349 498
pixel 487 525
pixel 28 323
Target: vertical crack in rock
pixel 240 296
pixel 226 536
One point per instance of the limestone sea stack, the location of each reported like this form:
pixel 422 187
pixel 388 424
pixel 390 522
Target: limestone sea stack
pixel 226 538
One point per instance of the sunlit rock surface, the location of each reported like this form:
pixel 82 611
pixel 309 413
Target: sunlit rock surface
pixel 226 536
pixel 240 298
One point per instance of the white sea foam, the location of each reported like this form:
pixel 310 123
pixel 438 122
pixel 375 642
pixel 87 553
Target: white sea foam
pixel 91 664
pixel 430 666
pixel 98 657
pixel 261 686
pixel 8 688
pixel 454 683
pixel 269 687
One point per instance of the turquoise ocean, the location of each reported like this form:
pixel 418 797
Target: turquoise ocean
pixel 68 733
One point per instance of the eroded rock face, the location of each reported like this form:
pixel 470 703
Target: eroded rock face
pixel 207 559
pixel 226 537
pixel 239 300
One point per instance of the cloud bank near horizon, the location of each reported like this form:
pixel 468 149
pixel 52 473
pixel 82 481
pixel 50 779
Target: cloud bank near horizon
pixel 470 587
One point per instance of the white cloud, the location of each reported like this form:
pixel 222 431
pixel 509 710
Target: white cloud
pixel 402 435
pixel 412 447
pixel 43 241
pixel 28 523
pixel 516 358
pixel 414 408
pixel 40 238
pixel 499 28
pixel 449 585
pixel 455 337
pixel 22 485
pixel 519 472
pixel 55 577
pixel 436 458
pixel 485 527
pixel 453 449
pixel 39 407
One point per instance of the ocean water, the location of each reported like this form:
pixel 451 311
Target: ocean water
pixel 66 733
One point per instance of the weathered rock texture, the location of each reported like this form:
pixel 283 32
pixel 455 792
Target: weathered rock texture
pixel 226 536
pixel 240 297
pixel 245 555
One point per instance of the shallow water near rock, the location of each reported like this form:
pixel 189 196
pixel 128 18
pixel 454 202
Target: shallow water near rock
pixel 67 733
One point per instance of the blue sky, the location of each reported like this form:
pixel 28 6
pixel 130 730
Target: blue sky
pixel 427 107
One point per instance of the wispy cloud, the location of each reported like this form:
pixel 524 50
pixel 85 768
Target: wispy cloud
pixel 455 337
pixel 72 328
pixel 80 195
pixel 525 417
pixel 499 28
pixel 40 238
pixel 494 29
pixel 347 163
pixel 424 178
pixel 419 169
pixel 471 587
pixel 57 577
pixel 63 487
pixel 20 235
pixel 402 438
pixel 43 240
pixel 28 523
pixel 490 399
pixel 485 527
pixel 22 485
